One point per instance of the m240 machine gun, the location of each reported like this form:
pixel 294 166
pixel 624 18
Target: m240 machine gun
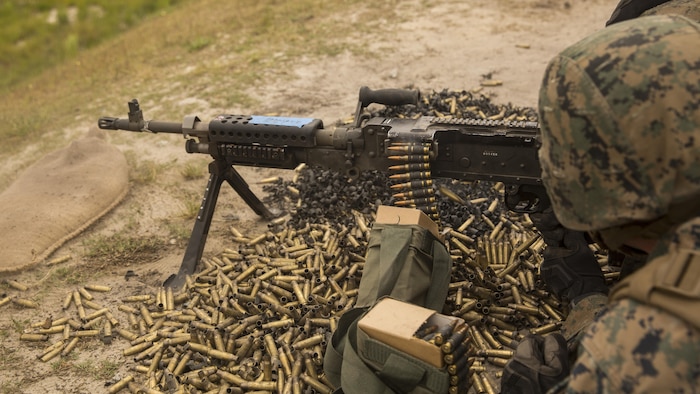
pixel 462 149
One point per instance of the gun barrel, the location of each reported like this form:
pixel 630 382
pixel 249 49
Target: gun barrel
pixel 159 126
pixel 154 126
pixel 110 123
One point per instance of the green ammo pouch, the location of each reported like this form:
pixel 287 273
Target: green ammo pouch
pixel 407 263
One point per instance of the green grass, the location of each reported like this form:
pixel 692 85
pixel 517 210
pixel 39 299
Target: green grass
pixel 37 34
pixel 97 370
pixel 20 325
pixel 193 171
pixel 68 276
pixel 122 248
pixel 198 49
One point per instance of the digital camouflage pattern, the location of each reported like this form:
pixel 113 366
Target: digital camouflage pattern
pixel 620 117
pixel 634 347
pixel 620 113
pixel 687 8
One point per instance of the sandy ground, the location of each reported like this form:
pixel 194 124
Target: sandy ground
pixel 438 45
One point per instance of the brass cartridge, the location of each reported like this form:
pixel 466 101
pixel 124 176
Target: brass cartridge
pixel 25 302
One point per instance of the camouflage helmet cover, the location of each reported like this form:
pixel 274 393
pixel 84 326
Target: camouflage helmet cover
pixel 620 118
pixel 687 8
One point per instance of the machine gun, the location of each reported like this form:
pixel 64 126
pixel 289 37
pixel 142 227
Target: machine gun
pixel 462 149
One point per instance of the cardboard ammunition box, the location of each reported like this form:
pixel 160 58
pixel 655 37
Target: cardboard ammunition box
pixel 394 323
pixel 407 216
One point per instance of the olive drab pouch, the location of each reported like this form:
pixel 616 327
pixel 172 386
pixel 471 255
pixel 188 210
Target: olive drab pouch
pixel 406 262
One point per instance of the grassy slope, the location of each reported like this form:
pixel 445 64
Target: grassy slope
pixel 205 47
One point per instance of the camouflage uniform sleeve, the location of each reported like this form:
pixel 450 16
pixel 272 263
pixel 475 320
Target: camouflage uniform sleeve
pixel 636 348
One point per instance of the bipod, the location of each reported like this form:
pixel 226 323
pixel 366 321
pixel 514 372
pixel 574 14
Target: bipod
pixel 219 171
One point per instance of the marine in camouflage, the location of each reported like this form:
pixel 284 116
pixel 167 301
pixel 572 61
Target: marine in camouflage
pixel 620 117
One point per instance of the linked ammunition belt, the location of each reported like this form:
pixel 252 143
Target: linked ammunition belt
pixel 412 177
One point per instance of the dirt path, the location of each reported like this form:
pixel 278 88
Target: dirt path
pixel 436 45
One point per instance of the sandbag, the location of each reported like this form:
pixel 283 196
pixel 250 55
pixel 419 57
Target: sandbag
pixel 56 198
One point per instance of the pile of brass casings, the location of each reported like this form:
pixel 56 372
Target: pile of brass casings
pixel 258 316
pixel 459 104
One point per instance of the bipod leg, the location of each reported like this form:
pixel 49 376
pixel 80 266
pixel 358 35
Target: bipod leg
pixel 241 187
pixel 198 238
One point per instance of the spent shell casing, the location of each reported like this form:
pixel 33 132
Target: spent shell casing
pixel 308 342
pixel 30 337
pixel 262 385
pixel 316 384
pixel 451 195
pixel 229 377
pixel 17 286
pixel 461 236
pixel 206 350
pixel 146 315
pixel 48 356
pixel 137 298
pixel 525 308
pixel 92 305
pixel 85 333
pixel 498 361
pixel 85 294
pixel 551 312
pixel 96 314
pixel 488 384
pixel 502 353
pixel 136 348
pixel 117 387
pixel 23 302
pixel 98 288
pixel 52 329
pixel 499 323
pixel 271 179
pixel 5 300
pixel 477 383
pixel 486 334
pixel 70 346
pixel 546 328
pixel 58 260
pixel 59 344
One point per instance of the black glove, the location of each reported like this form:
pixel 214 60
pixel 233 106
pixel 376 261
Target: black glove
pixel 537 365
pixel 570 269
